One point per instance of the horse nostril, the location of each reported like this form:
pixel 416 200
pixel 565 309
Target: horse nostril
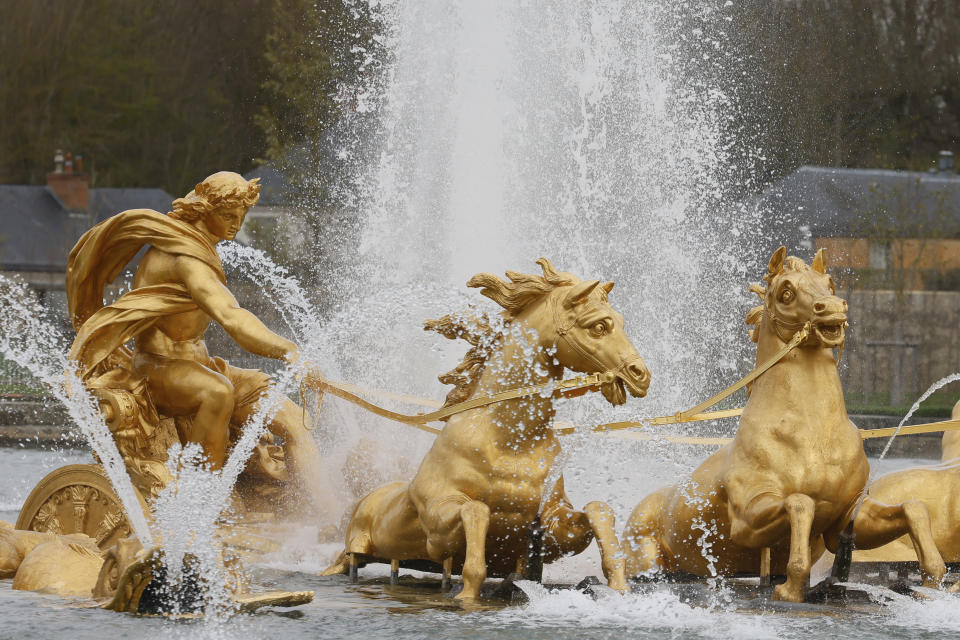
pixel 637 372
pixel 819 307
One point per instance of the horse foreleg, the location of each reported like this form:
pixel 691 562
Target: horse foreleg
pixel 641 536
pixel 456 524
pixel 602 521
pixel 476 519
pixel 569 532
pixel 800 510
pixel 877 524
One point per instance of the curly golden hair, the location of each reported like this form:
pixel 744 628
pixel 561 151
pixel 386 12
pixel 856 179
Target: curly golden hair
pixel 222 189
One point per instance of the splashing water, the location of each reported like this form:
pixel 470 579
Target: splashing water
pixel 936 386
pixel 506 131
pixel 283 291
pixel 29 338
pixel 635 613
pixel 187 511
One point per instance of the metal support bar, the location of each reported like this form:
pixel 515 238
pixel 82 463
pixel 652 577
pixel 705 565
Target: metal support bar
pixel 354 564
pixel 447 570
pixel 533 568
pixel 765 567
pixel 841 563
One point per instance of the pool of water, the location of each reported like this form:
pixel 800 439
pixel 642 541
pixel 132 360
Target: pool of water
pixel 417 609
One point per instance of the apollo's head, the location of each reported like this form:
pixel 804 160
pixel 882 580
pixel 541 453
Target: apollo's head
pixel 222 190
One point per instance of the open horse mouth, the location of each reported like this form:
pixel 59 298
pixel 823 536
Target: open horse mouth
pixel 831 331
pixel 636 380
pixel 615 392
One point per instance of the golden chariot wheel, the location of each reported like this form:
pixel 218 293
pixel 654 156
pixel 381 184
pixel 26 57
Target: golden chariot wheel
pixel 77 498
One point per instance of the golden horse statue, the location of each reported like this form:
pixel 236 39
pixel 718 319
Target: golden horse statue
pixel 479 489
pixel 937 487
pixel 796 467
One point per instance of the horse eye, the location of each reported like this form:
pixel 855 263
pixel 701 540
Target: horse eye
pixel 786 296
pixel 599 329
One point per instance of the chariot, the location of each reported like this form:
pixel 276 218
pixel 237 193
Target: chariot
pixel 79 498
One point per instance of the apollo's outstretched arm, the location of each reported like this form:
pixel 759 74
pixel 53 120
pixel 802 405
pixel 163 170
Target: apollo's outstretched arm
pixel 215 299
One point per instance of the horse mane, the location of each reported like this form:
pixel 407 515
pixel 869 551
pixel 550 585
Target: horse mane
pixel 482 335
pixel 478 330
pixel 755 315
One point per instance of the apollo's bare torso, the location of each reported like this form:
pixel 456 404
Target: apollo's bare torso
pixel 174 336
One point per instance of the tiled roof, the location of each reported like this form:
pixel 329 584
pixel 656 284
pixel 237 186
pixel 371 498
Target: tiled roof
pixel 834 202
pixel 37 234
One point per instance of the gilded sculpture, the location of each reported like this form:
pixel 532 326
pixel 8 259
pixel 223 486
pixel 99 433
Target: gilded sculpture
pixel 480 487
pixel 790 481
pixel 169 386
pixel 166 389
pixel 795 469
pixel 937 487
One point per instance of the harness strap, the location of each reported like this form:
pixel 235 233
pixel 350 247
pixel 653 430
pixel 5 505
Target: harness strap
pixel 798 337
pixel 779 324
pixel 562 332
pixel 590 382
pixel 865 434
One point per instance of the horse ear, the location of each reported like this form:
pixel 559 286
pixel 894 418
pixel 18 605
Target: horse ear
pixel 819 262
pixel 579 293
pixel 607 286
pixel 776 262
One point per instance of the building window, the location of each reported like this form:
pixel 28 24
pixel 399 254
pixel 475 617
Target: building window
pixel 879 255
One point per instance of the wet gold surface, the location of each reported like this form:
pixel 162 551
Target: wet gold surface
pixel 479 488
pixel 795 468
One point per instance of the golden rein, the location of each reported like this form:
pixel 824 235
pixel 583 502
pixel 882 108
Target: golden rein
pixel 582 384
pixel 569 387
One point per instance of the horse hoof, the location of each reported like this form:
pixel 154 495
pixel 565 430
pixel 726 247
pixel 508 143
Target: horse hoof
pixel 786 594
pixel 620 586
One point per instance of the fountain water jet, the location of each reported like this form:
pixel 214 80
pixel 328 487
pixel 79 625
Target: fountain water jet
pixel 28 338
pixel 514 130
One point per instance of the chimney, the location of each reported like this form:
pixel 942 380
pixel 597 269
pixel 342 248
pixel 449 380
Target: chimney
pixel 68 183
pixel 945 162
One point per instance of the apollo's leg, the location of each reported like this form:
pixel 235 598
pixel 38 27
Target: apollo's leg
pixel 800 510
pixel 456 524
pixel 303 456
pixel 877 524
pixel 187 388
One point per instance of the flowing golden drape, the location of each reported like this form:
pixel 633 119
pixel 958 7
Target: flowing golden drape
pixel 100 256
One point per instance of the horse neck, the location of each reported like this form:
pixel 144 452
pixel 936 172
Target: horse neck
pixel 805 372
pixel 511 366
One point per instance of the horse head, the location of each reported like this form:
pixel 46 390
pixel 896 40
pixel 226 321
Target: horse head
pixel 799 295
pixel 574 321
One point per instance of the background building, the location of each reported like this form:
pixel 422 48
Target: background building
pixel 892 240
